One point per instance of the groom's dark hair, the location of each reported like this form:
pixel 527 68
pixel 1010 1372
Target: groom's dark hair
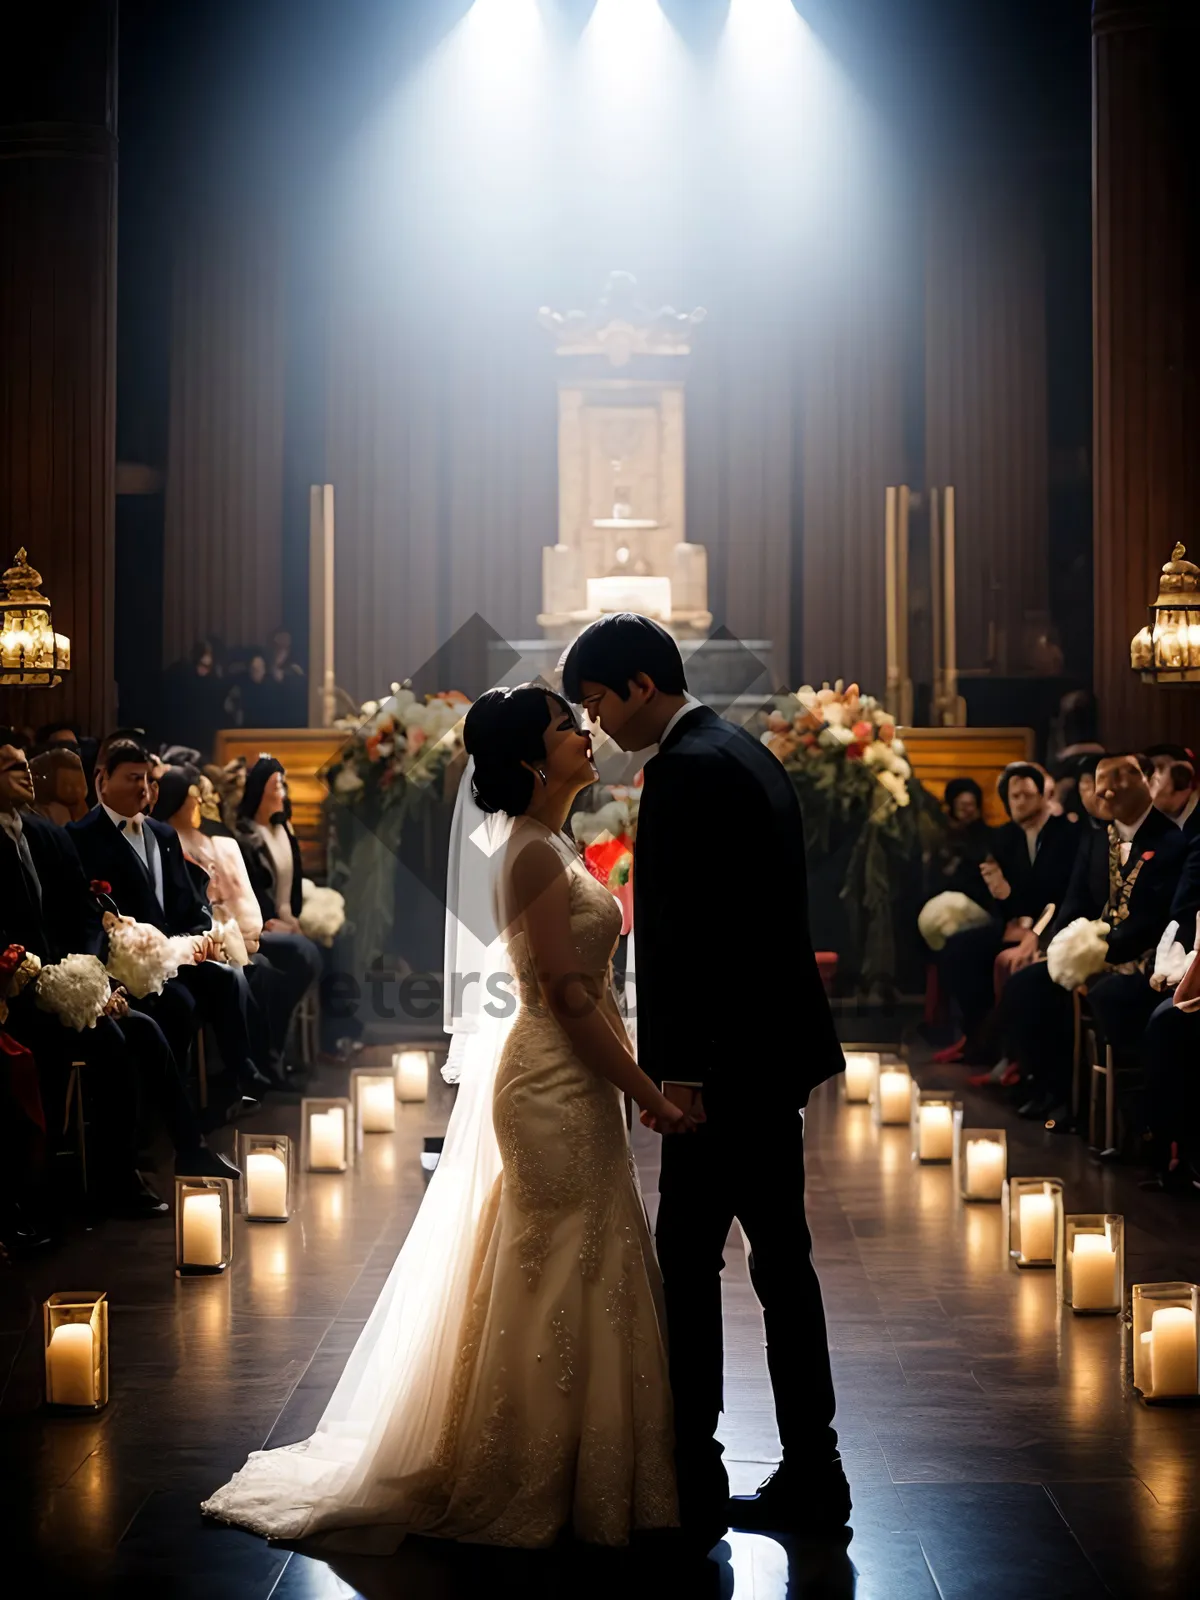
pixel 617 648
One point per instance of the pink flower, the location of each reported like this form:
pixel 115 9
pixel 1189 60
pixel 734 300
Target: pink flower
pixel 862 732
pixel 416 738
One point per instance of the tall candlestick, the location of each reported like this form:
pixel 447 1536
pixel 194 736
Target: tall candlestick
pixel 202 1230
pixel 985 1169
pixel 266 1184
pixel 935 1133
pixel 1173 1351
pixel 71 1372
pixel 377 1105
pixel 1093 1273
pixel 327 1138
pixel 1037 1226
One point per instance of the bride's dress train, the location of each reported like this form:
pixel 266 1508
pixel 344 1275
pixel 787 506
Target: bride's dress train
pixel 518 1385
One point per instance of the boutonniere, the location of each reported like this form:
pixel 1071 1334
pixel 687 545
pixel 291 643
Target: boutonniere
pixel 99 886
pixel 1147 855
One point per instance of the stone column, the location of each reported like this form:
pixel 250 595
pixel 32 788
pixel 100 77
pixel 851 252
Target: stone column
pixel 1146 347
pixel 58 172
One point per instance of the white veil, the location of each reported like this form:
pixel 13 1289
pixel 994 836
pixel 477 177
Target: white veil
pixel 384 1418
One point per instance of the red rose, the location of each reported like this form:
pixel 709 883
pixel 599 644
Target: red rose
pixel 854 751
pixel 1147 855
pixel 98 886
pixel 11 959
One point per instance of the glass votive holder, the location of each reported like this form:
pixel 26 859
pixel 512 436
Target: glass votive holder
pixel 203 1226
pixel 1166 1339
pixel 893 1095
pixel 981 1155
pixel 861 1075
pixel 373 1093
pixel 411 1071
pixel 933 1116
pixel 75 1333
pixel 1092 1277
pixel 326 1133
pixel 266 1163
pixel 1035 1221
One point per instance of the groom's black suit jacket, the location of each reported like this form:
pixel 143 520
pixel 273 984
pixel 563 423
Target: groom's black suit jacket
pixel 728 992
pixel 105 854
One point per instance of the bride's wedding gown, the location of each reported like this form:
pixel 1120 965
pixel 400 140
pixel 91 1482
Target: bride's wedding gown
pixel 547 1406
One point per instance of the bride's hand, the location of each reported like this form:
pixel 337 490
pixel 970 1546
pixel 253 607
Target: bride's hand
pixel 663 1117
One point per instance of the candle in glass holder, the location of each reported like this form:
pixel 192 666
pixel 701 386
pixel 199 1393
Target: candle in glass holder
pixel 202 1230
pixel 327 1137
pixel 935 1141
pixel 266 1184
pixel 985 1169
pixel 860 1071
pixel 70 1366
pixel 895 1096
pixel 1093 1273
pixel 377 1105
pixel 412 1074
pixel 1173 1351
pixel 1037 1226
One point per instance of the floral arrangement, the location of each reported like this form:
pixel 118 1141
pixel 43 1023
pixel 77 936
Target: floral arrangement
pixel 868 823
pixel 141 958
pixel 398 743
pixel 838 728
pixel 323 913
pixel 1078 952
pixel 18 967
pixel 75 990
pixel 946 914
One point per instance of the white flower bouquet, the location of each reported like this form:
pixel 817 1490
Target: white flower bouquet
pixel 75 990
pixel 1078 952
pixel 945 915
pixel 323 913
pixel 141 958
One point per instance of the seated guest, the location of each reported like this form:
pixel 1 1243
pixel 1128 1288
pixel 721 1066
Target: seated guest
pixel 272 856
pixel 228 889
pixel 142 861
pixel 56 733
pixel 1128 873
pixel 46 906
pixel 1027 870
pixel 59 785
pixel 1174 789
pixel 1170 1052
pixel 967 842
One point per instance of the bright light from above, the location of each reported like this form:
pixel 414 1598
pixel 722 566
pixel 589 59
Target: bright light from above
pixel 756 29
pixel 509 30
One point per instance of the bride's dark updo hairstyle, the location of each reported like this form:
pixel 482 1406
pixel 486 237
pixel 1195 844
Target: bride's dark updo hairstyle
pixel 504 728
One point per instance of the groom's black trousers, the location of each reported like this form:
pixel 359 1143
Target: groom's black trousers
pixel 751 1169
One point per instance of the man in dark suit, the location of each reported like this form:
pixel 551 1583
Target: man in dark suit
pixel 46 906
pixel 1174 786
pixel 142 862
pixel 1127 872
pixel 1028 868
pixel 1170 1050
pixel 713 940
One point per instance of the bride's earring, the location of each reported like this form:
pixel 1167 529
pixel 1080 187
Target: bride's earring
pixel 541 772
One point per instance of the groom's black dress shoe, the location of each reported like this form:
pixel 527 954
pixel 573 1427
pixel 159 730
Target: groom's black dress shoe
pixel 815 1505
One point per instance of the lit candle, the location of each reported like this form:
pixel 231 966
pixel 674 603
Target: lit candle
pixel 1037 1226
pixel 935 1133
pixel 895 1096
pixel 327 1137
pixel 412 1074
pixel 1173 1351
pixel 1093 1273
pixel 985 1169
pixel 266 1184
pixel 71 1370
pixel 377 1105
pixel 860 1069
pixel 202 1230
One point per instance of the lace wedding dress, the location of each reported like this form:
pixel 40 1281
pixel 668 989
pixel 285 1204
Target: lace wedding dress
pixel 546 1406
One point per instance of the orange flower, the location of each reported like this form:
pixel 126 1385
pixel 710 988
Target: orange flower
pixel 862 732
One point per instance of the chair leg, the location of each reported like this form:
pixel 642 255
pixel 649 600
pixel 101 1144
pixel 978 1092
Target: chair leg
pixel 202 1070
pixel 1110 1100
pixel 1077 1056
pixel 74 1101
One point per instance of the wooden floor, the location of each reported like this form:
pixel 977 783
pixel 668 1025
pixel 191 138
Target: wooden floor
pixel 994 1446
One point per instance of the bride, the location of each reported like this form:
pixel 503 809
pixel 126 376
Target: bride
pixel 511 1382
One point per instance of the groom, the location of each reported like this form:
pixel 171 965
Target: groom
pixel 721 931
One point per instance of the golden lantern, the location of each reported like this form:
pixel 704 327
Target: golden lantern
pixel 1167 649
pixel 32 655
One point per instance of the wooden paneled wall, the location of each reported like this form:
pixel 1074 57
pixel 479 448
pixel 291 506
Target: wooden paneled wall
pixel 225 463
